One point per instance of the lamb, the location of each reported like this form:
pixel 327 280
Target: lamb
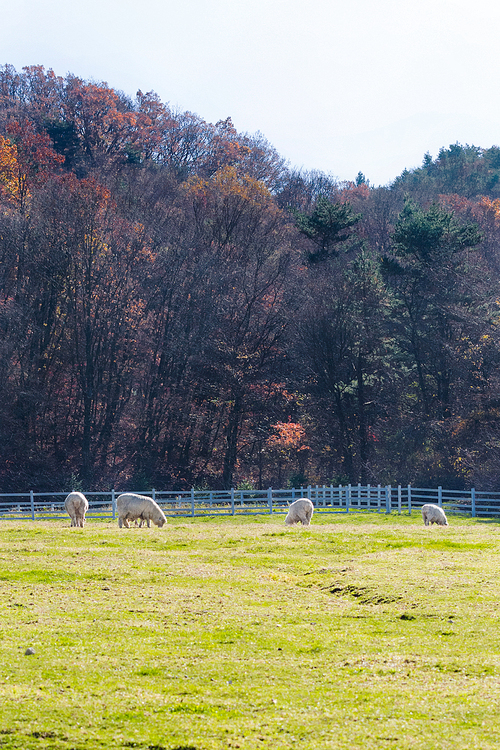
pixel 300 511
pixel 434 514
pixel 76 505
pixel 131 507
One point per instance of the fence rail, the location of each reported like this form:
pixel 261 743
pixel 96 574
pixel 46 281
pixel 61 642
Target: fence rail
pixel 326 499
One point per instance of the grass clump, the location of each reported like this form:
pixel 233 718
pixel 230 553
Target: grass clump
pixel 360 631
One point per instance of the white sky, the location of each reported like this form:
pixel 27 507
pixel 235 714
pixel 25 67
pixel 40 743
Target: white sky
pixel 337 85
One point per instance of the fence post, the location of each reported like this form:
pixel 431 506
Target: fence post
pixel 309 492
pixel 32 503
pixel 473 502
pixel 232 501
pixel 153 494
pixel 348 497
pixel 379 497
pixel 192 501
pixel 409 499
pixel 113 504
pixel 368 497
pixel 440 497
pixel 270 499
pixel 340 495
pixel 388 498
pixel 399 499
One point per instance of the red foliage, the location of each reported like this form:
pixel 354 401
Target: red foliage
pixel 35 160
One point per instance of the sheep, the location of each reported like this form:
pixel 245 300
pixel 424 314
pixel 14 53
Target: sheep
pixel 434 514
pixel 300 511
pixel 76 505
pixel 131 507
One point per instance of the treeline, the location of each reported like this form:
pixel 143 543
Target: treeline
pixel 179 307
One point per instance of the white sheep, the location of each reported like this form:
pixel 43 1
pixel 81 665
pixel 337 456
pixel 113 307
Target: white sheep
pixel 76 505
pixel 300 511
pixel 131 507
pixel 434 514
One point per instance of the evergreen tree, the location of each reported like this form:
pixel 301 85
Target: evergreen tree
pixel 327 226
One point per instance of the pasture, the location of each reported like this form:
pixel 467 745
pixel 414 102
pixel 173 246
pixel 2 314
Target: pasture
pixel 361 631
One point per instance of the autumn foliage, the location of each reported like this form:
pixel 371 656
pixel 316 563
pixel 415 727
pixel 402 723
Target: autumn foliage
pixel 179 307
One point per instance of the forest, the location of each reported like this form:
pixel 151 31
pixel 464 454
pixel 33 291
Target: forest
pixel 180 307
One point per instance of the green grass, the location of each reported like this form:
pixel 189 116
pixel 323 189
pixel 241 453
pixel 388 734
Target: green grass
pixel 362 631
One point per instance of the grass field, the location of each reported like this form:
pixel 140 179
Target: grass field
pixel 362 631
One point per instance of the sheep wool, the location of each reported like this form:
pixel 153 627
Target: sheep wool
pixel 130 507
pixel 434 514
pixel 76 505
pixel 300 511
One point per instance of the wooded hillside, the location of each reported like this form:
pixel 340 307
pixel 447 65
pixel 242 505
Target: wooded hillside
pixel 179 307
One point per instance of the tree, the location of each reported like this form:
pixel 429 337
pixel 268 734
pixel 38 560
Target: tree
pixel 102 121
pixel 341 343
pixel 327 226
pixel 81 314
pixel 286 446
pixel 30 161
pixel 242 230
pixel 432 302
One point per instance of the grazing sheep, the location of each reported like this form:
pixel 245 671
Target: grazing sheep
pixel 434 514
pixel 300 511
pixel 76 505
pixel 132 507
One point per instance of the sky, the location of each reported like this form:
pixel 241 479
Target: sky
pixel 340 86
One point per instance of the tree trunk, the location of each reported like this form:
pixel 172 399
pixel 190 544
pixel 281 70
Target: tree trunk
pixel 232 433
pixel 362 426
pixel 344 438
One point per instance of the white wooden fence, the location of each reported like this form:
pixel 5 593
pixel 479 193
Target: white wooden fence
pixel 326 499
